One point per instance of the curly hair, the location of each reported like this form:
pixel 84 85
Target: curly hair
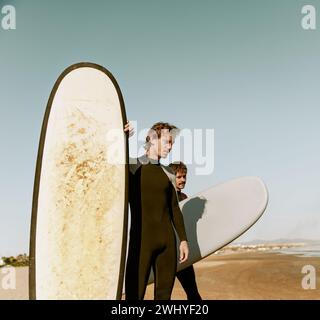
pixel 157 129
pixel 178 166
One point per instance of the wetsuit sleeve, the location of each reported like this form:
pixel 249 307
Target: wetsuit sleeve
pixel 133 166
pixel 177 217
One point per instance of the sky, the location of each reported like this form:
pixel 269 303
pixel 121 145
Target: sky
pixel 245 68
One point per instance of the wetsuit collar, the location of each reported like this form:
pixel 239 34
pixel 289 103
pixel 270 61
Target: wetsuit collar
pixel 145 160
pixel 137 162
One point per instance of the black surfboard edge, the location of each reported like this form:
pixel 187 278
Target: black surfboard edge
pixel 33 226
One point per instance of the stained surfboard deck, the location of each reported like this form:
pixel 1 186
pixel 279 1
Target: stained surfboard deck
pixel 217 216
pixel 79 211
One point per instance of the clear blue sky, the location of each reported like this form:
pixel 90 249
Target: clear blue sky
pixel 243 67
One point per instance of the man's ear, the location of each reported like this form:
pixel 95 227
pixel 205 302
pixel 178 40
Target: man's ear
pixel 153 140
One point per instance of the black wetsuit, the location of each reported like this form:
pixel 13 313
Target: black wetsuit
pixel 154 208
pixel 187 276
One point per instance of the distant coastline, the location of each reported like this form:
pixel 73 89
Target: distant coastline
pixel 239 248
pixel 294 246
pixel 289 246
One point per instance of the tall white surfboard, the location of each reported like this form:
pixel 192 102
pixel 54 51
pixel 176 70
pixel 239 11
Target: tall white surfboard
pixel 79 211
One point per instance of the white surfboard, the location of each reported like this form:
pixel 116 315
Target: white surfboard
pixel 79 212
pixel 217 216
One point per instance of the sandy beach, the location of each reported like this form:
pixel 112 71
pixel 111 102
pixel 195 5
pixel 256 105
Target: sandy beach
pixel 249 275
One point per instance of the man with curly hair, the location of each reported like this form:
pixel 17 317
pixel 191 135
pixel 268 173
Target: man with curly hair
pixel 155 213
pixel 186 276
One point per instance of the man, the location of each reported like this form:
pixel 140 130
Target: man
pixel 154 208
pixel 186 276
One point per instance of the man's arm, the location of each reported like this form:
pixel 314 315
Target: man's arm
pixel 177 217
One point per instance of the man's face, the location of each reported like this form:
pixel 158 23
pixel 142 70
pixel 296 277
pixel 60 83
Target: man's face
pixel 181 179
pixel 163 145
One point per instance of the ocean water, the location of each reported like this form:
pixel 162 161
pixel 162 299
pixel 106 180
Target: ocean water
pixel 309 250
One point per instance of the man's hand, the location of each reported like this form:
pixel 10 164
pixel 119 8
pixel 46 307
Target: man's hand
pixel 184 251
pixel 128 129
